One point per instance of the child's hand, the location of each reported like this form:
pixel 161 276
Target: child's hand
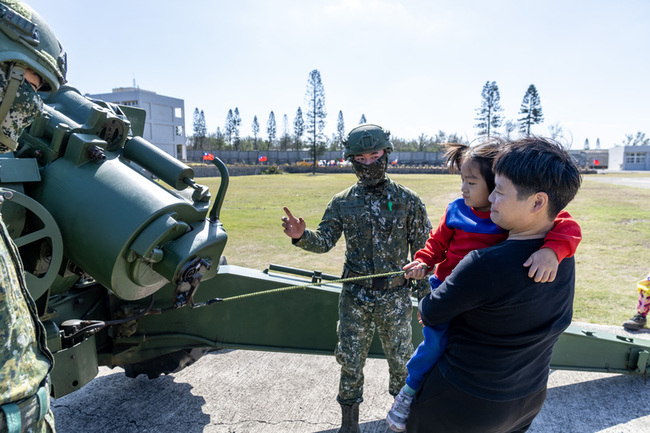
pixel 416 270
pixel 543 265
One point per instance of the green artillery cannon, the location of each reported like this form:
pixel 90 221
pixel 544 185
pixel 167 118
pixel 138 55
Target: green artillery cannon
pixel 128 271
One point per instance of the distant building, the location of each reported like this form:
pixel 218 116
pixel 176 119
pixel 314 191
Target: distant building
pixel 629 158
pixel 591 158
pixel 165 120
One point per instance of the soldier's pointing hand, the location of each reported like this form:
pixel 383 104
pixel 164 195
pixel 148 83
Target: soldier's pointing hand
pixel 293 227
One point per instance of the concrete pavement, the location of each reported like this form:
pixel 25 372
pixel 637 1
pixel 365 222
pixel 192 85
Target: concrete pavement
pixel 262 392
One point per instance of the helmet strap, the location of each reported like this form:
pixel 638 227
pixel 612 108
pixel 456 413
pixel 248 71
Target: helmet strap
pixel 16 78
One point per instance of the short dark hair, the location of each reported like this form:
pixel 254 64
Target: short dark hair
pixel 482 154
pixel 536 164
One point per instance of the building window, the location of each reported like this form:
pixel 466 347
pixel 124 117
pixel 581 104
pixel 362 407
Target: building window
pixel 130 103
pixel 634 158
pixel 179 130
pixel 178 112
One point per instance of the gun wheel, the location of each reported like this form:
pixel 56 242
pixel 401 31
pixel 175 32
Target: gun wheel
pixel 165 364
pixel 38 285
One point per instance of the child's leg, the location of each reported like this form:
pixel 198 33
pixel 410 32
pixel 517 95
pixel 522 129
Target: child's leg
pixel 423 359
pixel 644 297
pixel 639 321
pixel 427 354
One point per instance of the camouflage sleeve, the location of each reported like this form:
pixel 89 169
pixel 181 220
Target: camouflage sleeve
pixel 329 231
pixel 418 235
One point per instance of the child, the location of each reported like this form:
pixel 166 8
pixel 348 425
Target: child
pixel 640 320
pixel 464 227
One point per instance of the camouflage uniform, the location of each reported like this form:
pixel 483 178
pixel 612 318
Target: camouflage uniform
pixel 381 225
pixel 25 360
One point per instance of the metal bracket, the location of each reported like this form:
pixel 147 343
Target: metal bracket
pixel 188 282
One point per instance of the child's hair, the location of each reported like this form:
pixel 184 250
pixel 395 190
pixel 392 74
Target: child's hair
pixel 482 154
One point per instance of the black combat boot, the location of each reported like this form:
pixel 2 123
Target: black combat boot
pixel 350 415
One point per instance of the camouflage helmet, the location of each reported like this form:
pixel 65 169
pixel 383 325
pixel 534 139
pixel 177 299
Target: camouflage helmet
pixel 366 138
pixel 27 40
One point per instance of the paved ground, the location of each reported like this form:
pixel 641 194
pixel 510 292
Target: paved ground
pixel 262 392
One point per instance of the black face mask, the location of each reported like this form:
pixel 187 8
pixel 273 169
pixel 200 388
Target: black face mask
pixel 371 174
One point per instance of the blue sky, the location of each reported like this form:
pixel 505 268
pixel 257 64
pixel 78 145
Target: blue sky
pixel 412 66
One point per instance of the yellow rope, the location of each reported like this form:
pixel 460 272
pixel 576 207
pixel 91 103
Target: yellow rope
pixel 304 286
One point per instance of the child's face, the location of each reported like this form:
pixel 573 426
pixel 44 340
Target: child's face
pixel 474 189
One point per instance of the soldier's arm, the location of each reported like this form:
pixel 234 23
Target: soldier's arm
pixel 324 238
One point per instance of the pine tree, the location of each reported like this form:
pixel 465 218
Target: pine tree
pixel 229 127
pixel 530 110
pixel 316 114
pixel 200 128
pixel 271 129
pixel 256 130
pixel 587 144
pixel 298 128
pixel 363 119
pixel 340 130
pixel 488 117
pixel 236 123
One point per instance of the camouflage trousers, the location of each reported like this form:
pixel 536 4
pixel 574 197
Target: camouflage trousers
pixel 361 310
pixel 46 425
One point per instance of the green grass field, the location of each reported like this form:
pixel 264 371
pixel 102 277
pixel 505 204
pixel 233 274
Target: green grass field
pixel 613 255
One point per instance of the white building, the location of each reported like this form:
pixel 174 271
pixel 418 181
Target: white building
pixel 629 158
pixel 165 119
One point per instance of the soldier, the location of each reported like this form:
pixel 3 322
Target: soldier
pixel 31 59
pixel 384 224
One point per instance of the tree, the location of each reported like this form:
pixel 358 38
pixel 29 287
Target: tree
pixel 236 123
pixel 340 130
pixel 597 143
pixel 316 114
pixel 200 128
pixel 586 144
pixel 298 128
pixel 217 140
pixel 363 119
pixel 636 140
pixel 556 132
pixel 488 117
pixel 285 138
pixel 256 130
pixel 530 110
pixel 271 129
pixel 509 126
pixel 229 127
pixel 422 142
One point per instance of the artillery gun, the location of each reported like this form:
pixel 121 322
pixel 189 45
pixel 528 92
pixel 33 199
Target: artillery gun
pixel 128 271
